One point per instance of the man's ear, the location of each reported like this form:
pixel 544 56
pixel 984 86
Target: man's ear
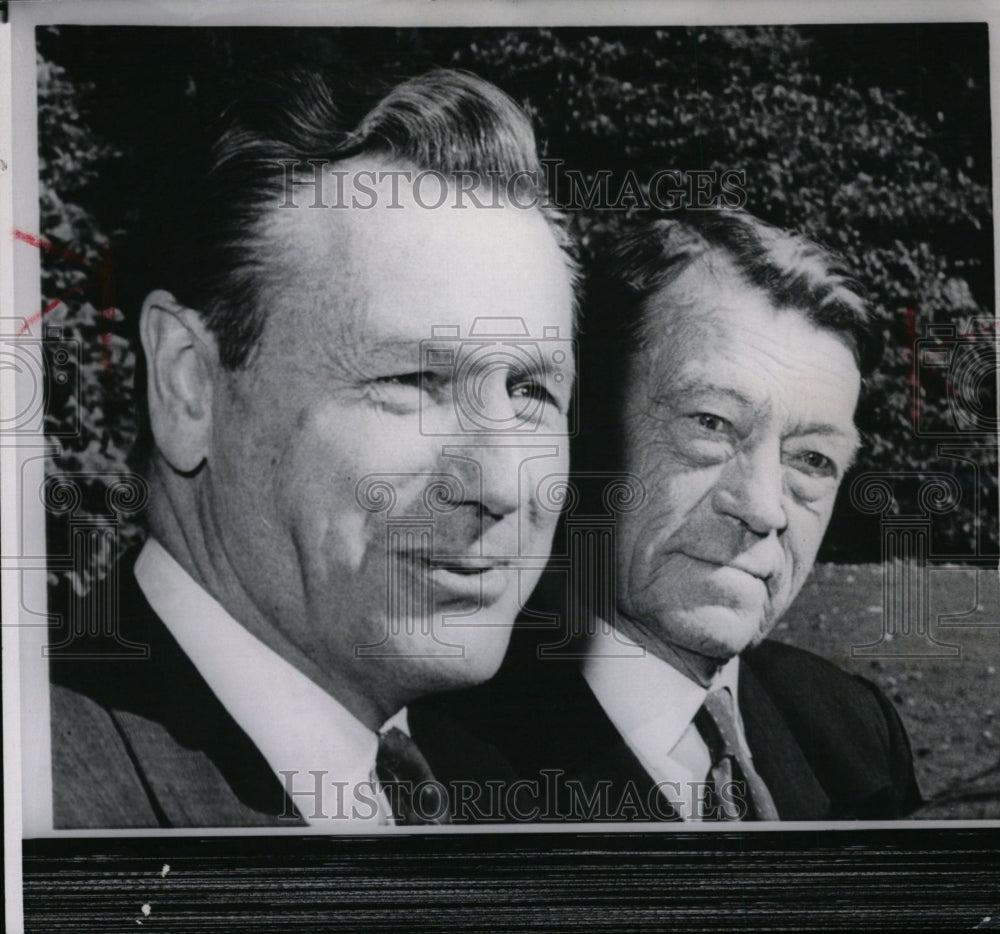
pixel 181 363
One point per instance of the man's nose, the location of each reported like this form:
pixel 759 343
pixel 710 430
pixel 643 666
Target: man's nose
pixel 491 472
pixel 492 441
pixel 751 489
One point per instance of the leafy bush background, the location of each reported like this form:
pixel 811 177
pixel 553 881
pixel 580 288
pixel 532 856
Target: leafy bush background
pixel 873 139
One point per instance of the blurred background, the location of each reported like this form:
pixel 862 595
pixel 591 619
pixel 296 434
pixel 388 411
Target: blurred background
pixel 874 140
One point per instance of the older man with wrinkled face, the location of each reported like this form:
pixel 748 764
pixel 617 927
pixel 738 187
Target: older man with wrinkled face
pixel 352 401
pixel 722 365
pixel 739 421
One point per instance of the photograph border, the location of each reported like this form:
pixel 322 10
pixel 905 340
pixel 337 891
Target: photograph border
pixel 603 877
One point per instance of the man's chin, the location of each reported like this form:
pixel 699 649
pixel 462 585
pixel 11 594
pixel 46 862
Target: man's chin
pixel 720 633
pixel 438 676
pixel 455 656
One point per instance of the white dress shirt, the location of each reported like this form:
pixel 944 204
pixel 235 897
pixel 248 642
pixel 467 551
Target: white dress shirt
pixel 297 726
pixel 653 705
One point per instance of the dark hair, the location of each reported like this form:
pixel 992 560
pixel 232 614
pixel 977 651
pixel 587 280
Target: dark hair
pixel 204 241
pixel 204 231
pixel 632 268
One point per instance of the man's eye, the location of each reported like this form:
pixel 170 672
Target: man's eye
pixel 404 393
pixel 816 464
pixel 710 423
pixel 419 380
pixel 531 391
pixel 701 438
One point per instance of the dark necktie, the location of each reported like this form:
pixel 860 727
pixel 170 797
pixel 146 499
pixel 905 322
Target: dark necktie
pixel 406 778
pixel 732 771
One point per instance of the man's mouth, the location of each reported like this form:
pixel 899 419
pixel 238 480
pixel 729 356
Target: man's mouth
pixel 759 571
pixel 734 580
pixel 477 565
pixel 465 578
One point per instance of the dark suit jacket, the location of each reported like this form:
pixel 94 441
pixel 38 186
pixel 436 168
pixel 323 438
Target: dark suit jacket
pixel 829 745
pixel 143 741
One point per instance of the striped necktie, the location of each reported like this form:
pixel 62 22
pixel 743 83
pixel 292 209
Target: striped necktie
pixel 738 790
pixel 404 775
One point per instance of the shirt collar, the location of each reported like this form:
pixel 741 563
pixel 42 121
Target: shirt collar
pixel 296 725
pixel 642 695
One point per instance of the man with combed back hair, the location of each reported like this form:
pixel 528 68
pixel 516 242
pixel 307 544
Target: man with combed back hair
pixel 343 456
pixel 722 364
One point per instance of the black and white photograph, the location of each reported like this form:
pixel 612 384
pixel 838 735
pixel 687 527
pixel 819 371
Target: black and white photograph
pixel 499 468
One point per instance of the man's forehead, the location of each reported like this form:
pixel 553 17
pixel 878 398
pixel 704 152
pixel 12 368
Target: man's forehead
pixel 366 187
pixel 388 210
pixel 394 270
pixel 710 300
pixel 717 335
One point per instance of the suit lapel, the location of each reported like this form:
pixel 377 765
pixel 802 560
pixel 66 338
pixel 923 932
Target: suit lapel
pixel 593 750
pixel 196 787
pixel 595 761
pixel 777 755
pixel 197 765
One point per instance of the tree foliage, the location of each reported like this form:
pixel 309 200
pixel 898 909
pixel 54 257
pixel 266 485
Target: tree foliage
pixel 873 140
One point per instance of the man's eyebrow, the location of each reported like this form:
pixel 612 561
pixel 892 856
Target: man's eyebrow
pixel 434 353
pixel 850 436
pixel 695 387
pixel 367 359
pixel 546 365
pixel 393 349
pixel 828 430
pixel 692 387
pixel 392 344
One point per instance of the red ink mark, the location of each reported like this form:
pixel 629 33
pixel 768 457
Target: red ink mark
pixel 910 325
pixel 55 303
pixel 50 247
pixel 991 326
pixel 103 271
